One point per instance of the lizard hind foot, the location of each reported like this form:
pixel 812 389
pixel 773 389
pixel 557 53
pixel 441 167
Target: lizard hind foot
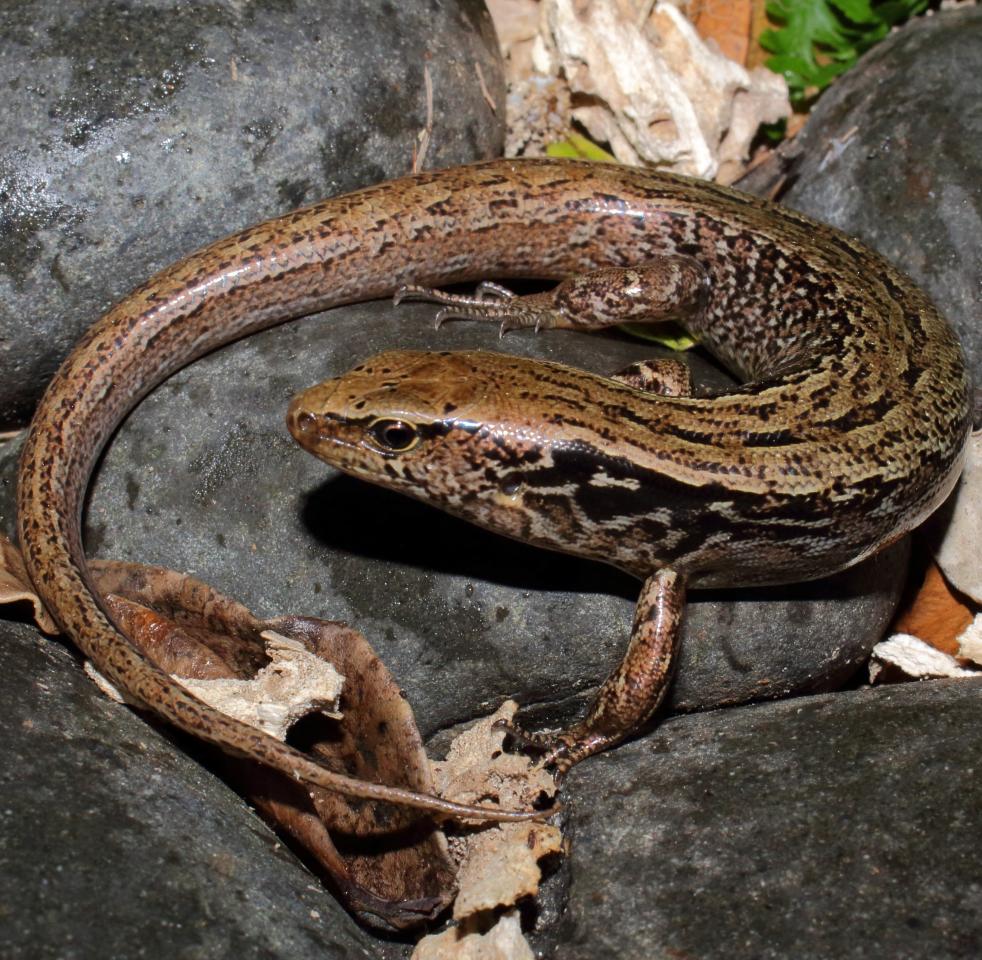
pixel 490 301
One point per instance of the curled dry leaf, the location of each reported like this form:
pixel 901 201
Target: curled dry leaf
pixel 394 854
pixel 183 625
pixel 292 684
pixel 16 587
pixel 389 865
pixel 656 92
pixel 957 551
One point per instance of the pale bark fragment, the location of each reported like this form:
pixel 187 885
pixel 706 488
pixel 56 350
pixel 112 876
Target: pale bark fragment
pixel 914 658
pixel 295 683
pixel 504 941
pixel 958 552
pixel 655 92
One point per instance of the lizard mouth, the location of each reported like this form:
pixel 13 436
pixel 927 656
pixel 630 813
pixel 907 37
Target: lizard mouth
pixel 327 436
pixel 346 443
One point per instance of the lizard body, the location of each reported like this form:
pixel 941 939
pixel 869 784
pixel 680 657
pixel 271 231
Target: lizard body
pixel 849 430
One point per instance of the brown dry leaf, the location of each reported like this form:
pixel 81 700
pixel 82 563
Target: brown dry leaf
pixel 182 624
pixel 16 586
pixel 757 56
pixel 935 615
pixel 725 22
pixel 289 685
pixel 389 865
pixel 394 853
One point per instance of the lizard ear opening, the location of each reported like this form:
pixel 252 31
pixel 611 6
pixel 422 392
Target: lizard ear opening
pixel 396 436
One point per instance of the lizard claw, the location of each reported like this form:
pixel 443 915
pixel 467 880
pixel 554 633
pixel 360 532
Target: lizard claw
pixel 493 292
pixel 514 321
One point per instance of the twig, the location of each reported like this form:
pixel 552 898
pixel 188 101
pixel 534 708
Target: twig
pixel 488 99
pixel 423 137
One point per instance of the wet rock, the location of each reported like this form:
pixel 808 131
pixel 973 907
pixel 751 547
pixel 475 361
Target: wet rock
pixel 135 132
pixel 890 155
pixel 114 844
pixel 833 826
pixel 204 478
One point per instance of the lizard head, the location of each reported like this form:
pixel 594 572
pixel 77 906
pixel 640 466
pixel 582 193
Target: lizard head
pixel 455 430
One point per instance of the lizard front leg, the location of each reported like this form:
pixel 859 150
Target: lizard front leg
pixel 632 693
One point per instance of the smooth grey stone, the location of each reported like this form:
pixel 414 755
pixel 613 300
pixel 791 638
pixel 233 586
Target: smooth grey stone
pixel 826 828
pixel 890 154
pixel 115 845
pixel 205 479
pixel 9 457
pixel 135 132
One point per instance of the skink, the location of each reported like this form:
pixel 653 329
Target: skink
pixel 848 431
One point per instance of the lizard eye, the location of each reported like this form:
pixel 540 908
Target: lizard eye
pixel 395 435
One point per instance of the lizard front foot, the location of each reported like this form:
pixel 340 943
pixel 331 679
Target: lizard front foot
pixel 630 695
pixel 561 750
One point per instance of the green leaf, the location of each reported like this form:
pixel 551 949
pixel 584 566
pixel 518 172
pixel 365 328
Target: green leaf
pixel 578 147
pixel 819 39
pixel 774 132
pixel 859 11
pixel 668 335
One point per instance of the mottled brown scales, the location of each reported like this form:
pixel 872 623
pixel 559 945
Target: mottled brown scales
pixel 850 432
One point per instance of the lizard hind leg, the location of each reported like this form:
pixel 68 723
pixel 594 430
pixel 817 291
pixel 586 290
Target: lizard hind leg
pixel 668 287
pixel 490 301
pixel 632 693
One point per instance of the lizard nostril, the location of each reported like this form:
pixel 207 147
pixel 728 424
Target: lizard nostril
pixel 304 422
